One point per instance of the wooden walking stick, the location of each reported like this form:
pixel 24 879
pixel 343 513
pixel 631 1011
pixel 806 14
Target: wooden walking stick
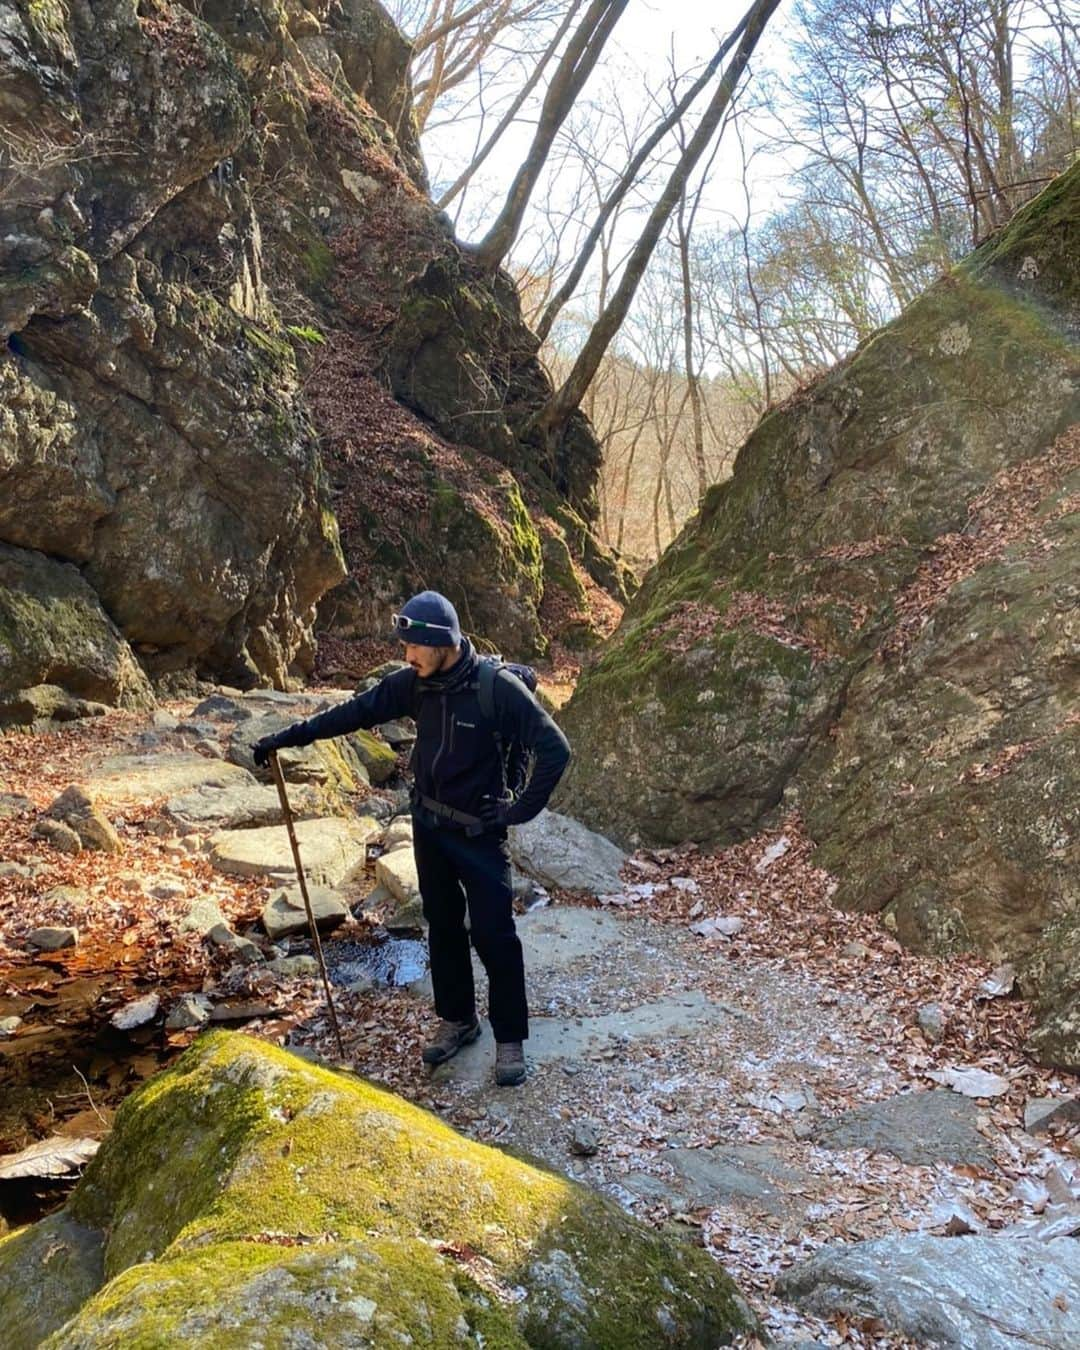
pixel 283 796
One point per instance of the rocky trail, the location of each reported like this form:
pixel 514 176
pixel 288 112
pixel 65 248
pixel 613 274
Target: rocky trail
pixel 853 1131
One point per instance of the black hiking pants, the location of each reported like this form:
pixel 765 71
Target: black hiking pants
pixel 458 871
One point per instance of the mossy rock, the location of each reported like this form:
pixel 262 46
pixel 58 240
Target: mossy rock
pixel 53 631
pixel 246 1195
pixel 69 1260
pixel 488 560
pixel 375 755
pixel 697 719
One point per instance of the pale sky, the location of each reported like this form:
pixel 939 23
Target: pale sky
pixel 649 34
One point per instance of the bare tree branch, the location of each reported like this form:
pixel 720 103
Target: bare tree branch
pixel 574 68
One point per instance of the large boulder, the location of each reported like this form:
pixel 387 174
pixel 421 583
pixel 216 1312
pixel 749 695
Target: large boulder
pixel 963 1292
pixel 54 632
pixel 247 1195
pixel 875 622
pixel 331 849
pixel 948 794
pixel 559 851
pixel 333 764
pixel 736 656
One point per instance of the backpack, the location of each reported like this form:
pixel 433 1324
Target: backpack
pixel 516 759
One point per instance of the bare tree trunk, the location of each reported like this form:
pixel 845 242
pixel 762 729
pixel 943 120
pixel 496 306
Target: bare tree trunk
pixel 553 417
pixel 665 470
pixel 688 350
pixel 624 498
pixel 515 107
pixel 574 68
pixel 626 182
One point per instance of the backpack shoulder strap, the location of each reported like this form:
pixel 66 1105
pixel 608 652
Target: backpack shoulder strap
pixel 485 690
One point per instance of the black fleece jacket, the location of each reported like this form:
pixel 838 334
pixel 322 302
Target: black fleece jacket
pixel 456 760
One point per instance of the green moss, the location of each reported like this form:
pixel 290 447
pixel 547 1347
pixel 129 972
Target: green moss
pixel 336 1293
pixel 266 343
pixel 244 1189
pixel 49 17
pixel 305 333
pixel 1046 229
pixel 524 537
pixel 317 261
pixel 375 755
pixel 559 568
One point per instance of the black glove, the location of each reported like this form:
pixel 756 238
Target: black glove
pixel 494 811
pixel 260 751
pixel 497 813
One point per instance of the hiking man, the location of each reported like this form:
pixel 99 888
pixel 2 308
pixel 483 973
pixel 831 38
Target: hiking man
pixel 467 719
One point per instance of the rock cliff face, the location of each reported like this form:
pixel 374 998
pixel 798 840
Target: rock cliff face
pixel 222 277
pixel 876 621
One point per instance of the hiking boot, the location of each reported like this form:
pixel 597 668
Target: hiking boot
pixel 448 1039
pixel 509 1063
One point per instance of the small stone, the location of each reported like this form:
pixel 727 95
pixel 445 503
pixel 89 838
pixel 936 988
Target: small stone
pixel 61 837
pixel 221 935
pixel 285 914
pixel 53 939
pixel 379 809
pixel 397 733
pixel 12 869
pixel 137 1013
pixel 219 705
pixel 14 804
pixel 858 950
pixel 164 721
pixel 399 834
pixel 584 1138
pixel 1042 1112
pixel 363 984
pixel 724 925
pixel 211 749
pixel 130 882
pixel 203 914
pixel 192 1010
pixel 295 967
pixel 168 890
pixel 203 730
pixel 931 1021
pixel 192 843
pixel 75 808
pixel 62 899
pixel 9 1026
pixel 397 873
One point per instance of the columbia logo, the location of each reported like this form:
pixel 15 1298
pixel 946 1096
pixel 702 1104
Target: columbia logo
pixel 470 725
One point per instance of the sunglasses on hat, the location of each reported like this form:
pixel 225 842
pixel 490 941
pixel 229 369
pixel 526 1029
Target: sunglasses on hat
pixel 403 624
